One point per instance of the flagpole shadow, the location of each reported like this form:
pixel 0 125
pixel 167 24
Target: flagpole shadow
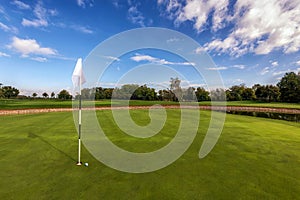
pixel 32 135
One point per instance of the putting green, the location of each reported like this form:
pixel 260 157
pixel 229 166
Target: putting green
pixel 255 158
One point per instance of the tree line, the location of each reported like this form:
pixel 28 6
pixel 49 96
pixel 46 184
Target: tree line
pixel 9 92
pixel 286 90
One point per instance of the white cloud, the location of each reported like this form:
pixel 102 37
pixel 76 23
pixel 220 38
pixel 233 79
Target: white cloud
pixel 286 71
pixel 112 58
pixel 139 57
pixel 239 66
pixel 259 26
pixel 238 81
pixel 274 64
pixel 2 11
pixel 34 23
pixel 82 29
pixel 5 15
pixel 30 46
pixel 83 3
pixel 228 45
pixel 2 54
pixel 21 5
pixel 116 4
pixel 227 67
pixel 171 9
pixel 4 27
pixel 279 73
pixel 7 28
pixel 41 15
pixel 53 12
pixel 159 2
pixel 173 39
pixel 135 16
pixel 265 71
pixel 39 59
pixel 198 12
pixel 217 68
pixel 298 62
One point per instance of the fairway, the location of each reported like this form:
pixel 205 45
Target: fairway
pixel 14 104
pixel 255 158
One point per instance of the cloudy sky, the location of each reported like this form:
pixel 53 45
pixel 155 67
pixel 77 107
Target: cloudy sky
pixel 250 41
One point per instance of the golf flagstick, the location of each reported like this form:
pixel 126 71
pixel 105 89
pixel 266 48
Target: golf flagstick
pixel 79 123
pixel 78 79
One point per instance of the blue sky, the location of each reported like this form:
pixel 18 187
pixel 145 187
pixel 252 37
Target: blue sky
pixel 249 41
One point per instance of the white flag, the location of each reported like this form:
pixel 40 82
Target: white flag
pixel 78 76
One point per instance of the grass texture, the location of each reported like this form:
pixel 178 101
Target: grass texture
pixel 254 158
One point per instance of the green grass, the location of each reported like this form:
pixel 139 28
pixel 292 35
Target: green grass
pixel 254 158
pixel 262 104
pixel 12 104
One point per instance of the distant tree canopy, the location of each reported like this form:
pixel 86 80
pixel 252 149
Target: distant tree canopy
pixel 34 95
pixel 289 87
pixel 8 92
pixel 125 92
pixel 286 90
pixel 135 92
pixel 166 95
pixel 176 89
pixel 45 95
pixel 218 94
pixel 239 93
pixel 64 95
pixel 144 93
pixel 266 93
pixel 202 94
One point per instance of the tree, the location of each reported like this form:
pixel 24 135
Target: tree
pixel 64 95
pixel 125 92
pixel 144 93
pixel 34 95
pixel 86 93
pixel 108 93
pixel 235 93
pixel 218 95
pixel 52 94
pixel 239 93
pixel 289 87
pixel 176 89
pixel 1 92
pixel 103 93
pixel 9 92
pixel 99 94
pixel 189 94
pixel 248 94
pixel 166 95
pixel 273 93
pixel 267 93
pixel 202 94
pixel 45 95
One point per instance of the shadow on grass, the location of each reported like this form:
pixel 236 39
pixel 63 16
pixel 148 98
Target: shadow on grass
pixel 32 135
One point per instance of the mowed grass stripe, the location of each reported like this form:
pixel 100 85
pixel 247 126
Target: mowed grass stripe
pixel 15 104
pixel 254 158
